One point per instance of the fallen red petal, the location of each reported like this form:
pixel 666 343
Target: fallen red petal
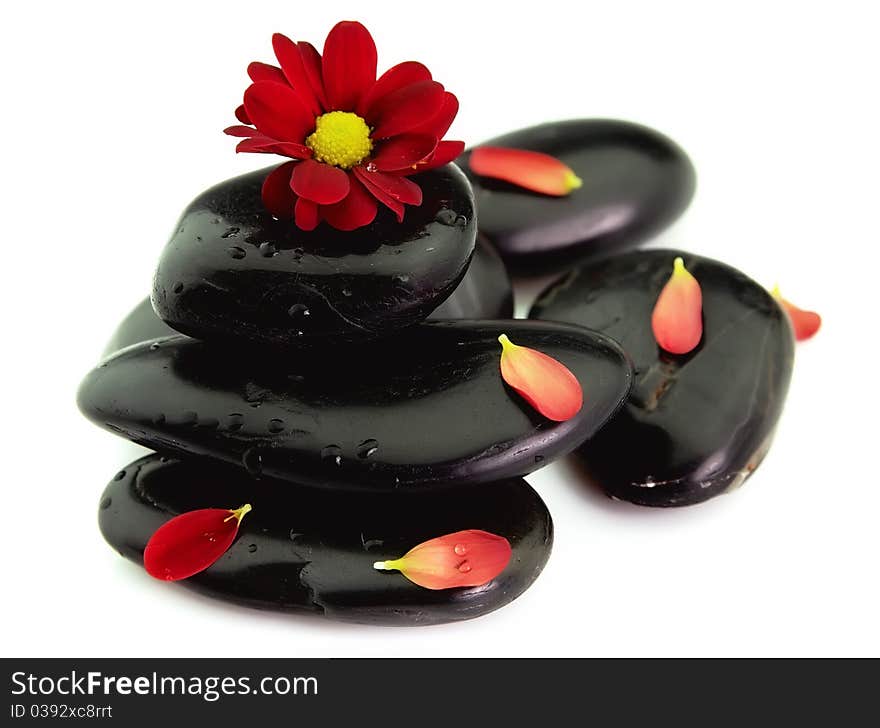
pixel 349 65
pixel 278 198
pixel 356 210
pixel 545 383
pixel 804 323
pixel 403 152
pixel 278 112
pixel 403 74
pixel 460 559
pixel 294 71
pixel 677 319
pixel 319 182
pixel 407 108
pixel 265 72
pixel 191 542
pixel 533 171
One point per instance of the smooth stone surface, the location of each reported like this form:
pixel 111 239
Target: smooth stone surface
pixel 635 183
pixel 305 550
pixel 231 271
pixel 696 425
pixel 427 407
pixel 484 293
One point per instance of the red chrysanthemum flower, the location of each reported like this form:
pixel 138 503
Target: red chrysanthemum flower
pixel 353 139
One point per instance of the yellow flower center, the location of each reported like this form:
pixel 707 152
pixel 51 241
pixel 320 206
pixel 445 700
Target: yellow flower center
pixel 341 139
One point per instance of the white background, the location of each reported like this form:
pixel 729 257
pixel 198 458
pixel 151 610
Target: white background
pixel 111 123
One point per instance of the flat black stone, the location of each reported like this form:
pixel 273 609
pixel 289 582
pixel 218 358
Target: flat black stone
pixel 484 293
pixel 427 407
pixel 635 183
pixel 231 271
pixel 305 550
pixel 697 425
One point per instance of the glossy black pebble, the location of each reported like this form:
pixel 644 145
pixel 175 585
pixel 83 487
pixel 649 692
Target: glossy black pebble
pixel 427 407
pixel 231 271
pixel 693 426
pixel 635 183
pixel 301 549
pixel 484 293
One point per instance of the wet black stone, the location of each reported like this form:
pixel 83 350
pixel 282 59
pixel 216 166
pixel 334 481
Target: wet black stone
pixel 305 550
pixel 231 271
pixel 635 183
pixel 484 293
pixel 428 404
pixel 697 425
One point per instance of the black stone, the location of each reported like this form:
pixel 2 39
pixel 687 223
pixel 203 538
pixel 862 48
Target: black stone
pixel 484 293
pixel 697 425
pixel 305 550
pixel 635 183
pixel 427 407
pixel 231 271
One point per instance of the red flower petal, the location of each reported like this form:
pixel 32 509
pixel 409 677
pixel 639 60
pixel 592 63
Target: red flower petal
pixel 356 210
pixel 278 112
pixel 294 71
pixel 264 72
pixel 439 124
pixel 677 320
pixel 241 131
pixel 242 115
pixel 805 323
pixel 403 152
pixel 306 214
pixel 464 558
pixel 396 187
pixel 545 383
pixel 312 64
pixel 319 182
pixel 265 145
pixel 533 171
pixel 446 152
pixel 277 195
pixel 407 108
pixel 349 65
pixel 191 542
pixel 403 74
pixel 377 192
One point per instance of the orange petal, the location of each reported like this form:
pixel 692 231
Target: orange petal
pixel 463 558
pixel 804 323
pixel 677 320
pixel 532 170
pixel 546 384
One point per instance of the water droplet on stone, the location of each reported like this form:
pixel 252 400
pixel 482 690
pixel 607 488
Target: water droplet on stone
pixel 119 476
pixel 154 346
pixel 230 232
pixel 460 549
pixel 294 535
pixel 276 425
pixel 267 250
pixel 332 454
pixel 460 221
pixel 178 287
pixel 252 548
pixel 236 252
pixel 298 310
pixel 234 422
pixel 298 254
pixel 346 291
pixel 464 567
pixel 367 448
pixel 252 460
pixel 105 503
pixel 539 458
